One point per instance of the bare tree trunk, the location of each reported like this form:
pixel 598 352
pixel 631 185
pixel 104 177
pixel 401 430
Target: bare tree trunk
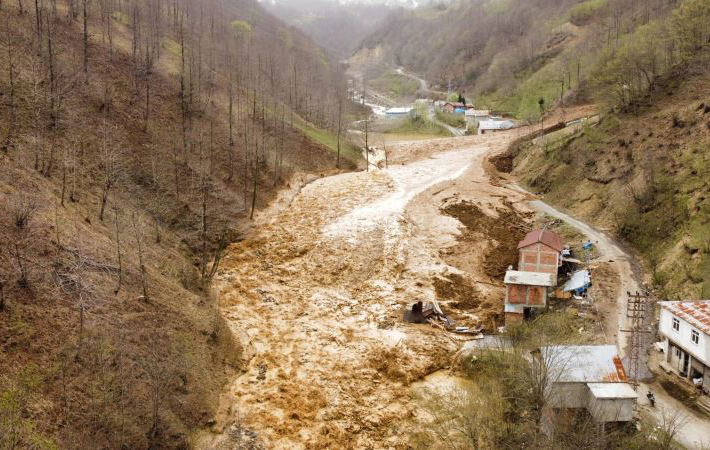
pixel 52 77
pixel 140 256
pixel 256 177
pixel 367 149
pixel 2 295
pixel 183 106
pixel 11 79
pixel 38 24
pixel 148 73
pixel 118 253
pixel 340 116
pixel 86 43
pixel 64 176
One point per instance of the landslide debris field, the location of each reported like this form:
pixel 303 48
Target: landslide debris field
pixel 317 296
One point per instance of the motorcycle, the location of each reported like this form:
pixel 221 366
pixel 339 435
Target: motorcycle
pixel 651 398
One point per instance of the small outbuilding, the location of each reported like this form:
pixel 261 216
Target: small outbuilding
pixel 523 291
pixel 540 251
pixel 578 283
pixel 590 377
pixel 475 116
pixel 403 112
pixel 492 126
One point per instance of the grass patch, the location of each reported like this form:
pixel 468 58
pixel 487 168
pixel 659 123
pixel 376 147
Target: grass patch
pixel 582 13
pixel 330 140
pixel 420 126
pixel 171 46
pixel 453 120
pixel 395 85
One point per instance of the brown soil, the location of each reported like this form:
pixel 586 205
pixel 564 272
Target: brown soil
pixel 458 292
pixel 503 162
pixel 505 231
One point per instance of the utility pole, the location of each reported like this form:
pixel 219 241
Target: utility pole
pixel 636 312
pixel 367 149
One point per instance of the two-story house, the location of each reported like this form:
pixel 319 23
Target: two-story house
pixel 685 327
pixel 540 251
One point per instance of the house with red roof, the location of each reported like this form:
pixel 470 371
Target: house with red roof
pixel 541 251
pixel 685 327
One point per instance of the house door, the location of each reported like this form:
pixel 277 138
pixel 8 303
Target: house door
pixel 684 364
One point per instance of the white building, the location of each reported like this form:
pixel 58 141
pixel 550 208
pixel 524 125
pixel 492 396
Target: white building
pixel 685 327
pixel 590 377
pixel 400 112
pixel 491 126
pixel 474 116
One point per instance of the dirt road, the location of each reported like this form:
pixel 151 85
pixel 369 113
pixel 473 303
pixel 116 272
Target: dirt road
pixel 318 295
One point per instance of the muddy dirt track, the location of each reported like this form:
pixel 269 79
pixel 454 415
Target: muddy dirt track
pixel 317 295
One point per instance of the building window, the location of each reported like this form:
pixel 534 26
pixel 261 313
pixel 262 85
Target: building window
pixel 676 324
pixel 677 352
pixel 694 336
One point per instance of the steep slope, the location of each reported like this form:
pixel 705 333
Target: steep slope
pixel 133 147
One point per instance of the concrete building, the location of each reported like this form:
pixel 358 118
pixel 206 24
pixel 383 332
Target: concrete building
pixel 524 291
pixel 474 116
pixel 685 327
pixel 399 113
pixel 540 251
pixel 590 377
pixel 492 126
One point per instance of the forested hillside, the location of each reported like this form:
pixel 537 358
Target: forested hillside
pixel 507 54
pixel 136 140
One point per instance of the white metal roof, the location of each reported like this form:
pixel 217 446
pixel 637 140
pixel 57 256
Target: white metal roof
pixel 528 278
pixel 584 363
pixel 398 110
pixel 495 125
pixel 578 280
pixel 612 390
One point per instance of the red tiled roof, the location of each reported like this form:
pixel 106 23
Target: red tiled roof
pixel 696 313
pixel 545 236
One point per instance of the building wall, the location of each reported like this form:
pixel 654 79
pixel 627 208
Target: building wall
pixel 513 318
pixel 569 395
pixel 682 337
pixel 520 294
pixel 539 258
pixel 611 409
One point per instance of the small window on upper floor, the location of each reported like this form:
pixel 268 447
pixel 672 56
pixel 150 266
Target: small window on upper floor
pixel 695 336
pixel 676 324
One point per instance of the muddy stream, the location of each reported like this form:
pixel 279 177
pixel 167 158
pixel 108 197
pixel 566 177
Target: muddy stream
pixel 316 298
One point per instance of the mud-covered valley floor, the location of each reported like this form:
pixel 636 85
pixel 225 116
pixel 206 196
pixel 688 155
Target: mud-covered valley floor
pixel 317 295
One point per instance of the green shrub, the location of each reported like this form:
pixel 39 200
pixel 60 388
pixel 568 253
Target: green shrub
pixel 452 120
pixel 585 11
